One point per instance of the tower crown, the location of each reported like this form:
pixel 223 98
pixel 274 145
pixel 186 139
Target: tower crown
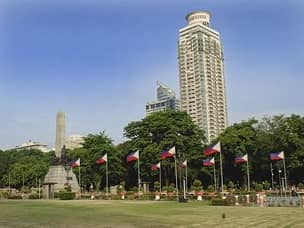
pixel 199 17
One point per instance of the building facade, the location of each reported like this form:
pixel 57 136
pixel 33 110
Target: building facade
pixel 32 145
pixel 74 142
pixel 166 99
pixel 201 74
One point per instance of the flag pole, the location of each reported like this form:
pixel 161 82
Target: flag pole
pixel 138 175
pixel 248 178
pixel 79 179
pixel 107 177
pixel 221 167
pixel 271 170
pixel 160 183
pixel 214 177
pixel 176 184
pixel 187 177
pixel 285 177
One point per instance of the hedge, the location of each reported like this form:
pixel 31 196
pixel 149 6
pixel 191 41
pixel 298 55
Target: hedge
pixel 34 196
pixel 66 195
pixel 219 202
pixel 14 197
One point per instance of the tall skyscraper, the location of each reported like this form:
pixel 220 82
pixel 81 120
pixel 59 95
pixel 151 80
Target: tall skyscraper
pixel 201 74
pixel 166 99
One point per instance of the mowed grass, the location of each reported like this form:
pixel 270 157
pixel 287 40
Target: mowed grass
pixel 53 213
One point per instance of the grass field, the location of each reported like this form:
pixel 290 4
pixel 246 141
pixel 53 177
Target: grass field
pixel 141 214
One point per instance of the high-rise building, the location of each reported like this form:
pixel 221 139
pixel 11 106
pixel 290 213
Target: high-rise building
pixel 166 99
pixel 201 74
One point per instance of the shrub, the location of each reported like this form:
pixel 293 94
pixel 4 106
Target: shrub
pixel 266 185
pixel 230 185
pixel 300 185
pixel 210 188
pixel 197 185
pixel 3 194
pixel 34 196
pixel 66 195
pixel 14 197
pixel 156 186
pixel 258 187
pixel 219 202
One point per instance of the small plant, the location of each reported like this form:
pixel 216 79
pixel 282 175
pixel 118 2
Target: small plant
pixel 210 188
pixel 300 185
pixel 170 188
pixel 230 185
pixel 134 189
pixel 156 186
pixel 266 185
pixel 258 187
pixel 197 185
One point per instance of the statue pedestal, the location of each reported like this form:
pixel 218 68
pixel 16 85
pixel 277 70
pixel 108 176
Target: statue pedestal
pixel 57 178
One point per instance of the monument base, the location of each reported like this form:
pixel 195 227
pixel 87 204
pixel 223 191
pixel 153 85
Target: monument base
pixel 57 178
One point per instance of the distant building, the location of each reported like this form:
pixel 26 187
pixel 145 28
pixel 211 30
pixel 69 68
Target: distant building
pixel 166 99
pixel 74 142
pixel 32 145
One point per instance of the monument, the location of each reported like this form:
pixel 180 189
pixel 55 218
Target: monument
pixel 60 174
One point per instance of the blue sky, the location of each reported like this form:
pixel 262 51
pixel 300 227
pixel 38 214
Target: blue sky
pixel 99 61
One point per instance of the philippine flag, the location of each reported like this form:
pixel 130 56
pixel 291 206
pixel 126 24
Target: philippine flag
pixel 102 160
pixel 168 153
pixel 184 164
pixel 155 167
pixel 241 159
pixel 75 163
pixel 133 156
pixel 216 148
pixel 277 156
pixel 208 162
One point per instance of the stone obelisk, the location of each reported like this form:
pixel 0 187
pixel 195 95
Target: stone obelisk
pixel 60 174
pixel 60 133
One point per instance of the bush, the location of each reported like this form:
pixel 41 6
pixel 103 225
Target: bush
pixel 230 185
pixel 258 187
pixel 197 185
pixel 34 196
pixel 219 202
pixel 66 195
pixel 156 186
pixel 210 188
pixel 300 185
pixel 14 197
pixel 4 194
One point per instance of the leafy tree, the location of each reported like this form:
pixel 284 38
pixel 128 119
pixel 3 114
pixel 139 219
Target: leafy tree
pixel 24 166
pixel 95 146
pixel 236 140
pixel 160 131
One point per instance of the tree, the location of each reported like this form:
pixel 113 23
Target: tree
pixel 24 166
pixel 95 146
pixel 160 131
pixel 236 140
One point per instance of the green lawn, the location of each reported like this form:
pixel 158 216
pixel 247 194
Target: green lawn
pixel 42 213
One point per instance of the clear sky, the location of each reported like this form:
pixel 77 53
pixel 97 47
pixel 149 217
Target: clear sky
pixel 99 60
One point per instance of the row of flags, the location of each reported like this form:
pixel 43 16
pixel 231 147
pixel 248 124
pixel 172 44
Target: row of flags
pixel 209 161
pixel 170 153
